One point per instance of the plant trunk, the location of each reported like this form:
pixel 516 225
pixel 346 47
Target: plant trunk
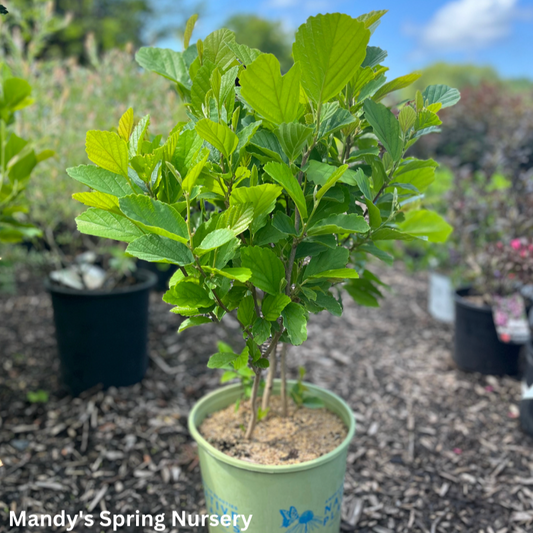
pixel 270 379
pixel 253 406
pixel 283 364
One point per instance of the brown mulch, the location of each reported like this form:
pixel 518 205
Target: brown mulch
pixel 436 450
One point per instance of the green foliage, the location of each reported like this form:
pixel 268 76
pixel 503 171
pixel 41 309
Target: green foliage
pixel 263 34
pixel 272 197
pixel 109 23
pixel 17 161
pixel 39 396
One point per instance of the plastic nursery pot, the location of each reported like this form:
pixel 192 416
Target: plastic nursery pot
pixel 296 498
pixel 526 405
pixel 102 336
pixel 477 347
pixel 163 272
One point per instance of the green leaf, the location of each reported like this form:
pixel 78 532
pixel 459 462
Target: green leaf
pixel 282 174
pixel 98 199
pixel 238 273
pixel 165 62
pixel 246 311
pixel 363 292
pixel 293 137
pixel 284 223
pixel 374 214
pixel 267 143
pixel 386 127
pixel 295 322
pixel 271 95
pixel 16 92
pixel 340 224
pixel 332 180
pixel 221 360
pixel 237 218
pixel 370 19
pixel 242 360
pixel 390 234
pixel 188 294
pixel 218 135
pixel 245 135
pixel 125 125
pixel 267 268
pixel 217 50
pixel 273 305
pixel 374 56
pixel 101 180
pixel 102 223
pixel 364 184
pixel 245 54
pixel 441 94
pixel 395 85
pixel 155 217
pixel 187 148
pixel 192 322
pixel 312 402
pixel 213 240
pixel 328 260
pixel 201 86
pixel 137 136
pixel 261 330
pixel 329 48
pixel 189 28
pixel 427 119
pixel 107 150
pixel 407 118
pixel 416 172
pixel 423 223
pixel 194 173
pixel 333 118
pixel 339 273
pixel 157 249
pixel 372 249
pixel 261 197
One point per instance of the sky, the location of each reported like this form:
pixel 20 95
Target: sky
pixel 415 33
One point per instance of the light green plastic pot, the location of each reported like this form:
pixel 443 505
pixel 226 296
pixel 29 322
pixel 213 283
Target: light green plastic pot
pixel 300 498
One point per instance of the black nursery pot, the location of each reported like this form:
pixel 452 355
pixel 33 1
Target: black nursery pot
pixel 526 406
pixel 102 336
pixel 163 272
pixel 477 346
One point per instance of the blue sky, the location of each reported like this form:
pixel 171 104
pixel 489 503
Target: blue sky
pixel 414 32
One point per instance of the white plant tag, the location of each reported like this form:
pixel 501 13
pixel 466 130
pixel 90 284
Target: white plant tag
pixel 527 393
pixel 441 305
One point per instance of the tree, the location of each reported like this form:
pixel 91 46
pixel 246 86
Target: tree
pixel 266 35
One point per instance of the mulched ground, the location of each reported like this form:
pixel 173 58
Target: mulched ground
pixel 436 450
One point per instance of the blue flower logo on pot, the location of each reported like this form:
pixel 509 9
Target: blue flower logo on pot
pixel 303 523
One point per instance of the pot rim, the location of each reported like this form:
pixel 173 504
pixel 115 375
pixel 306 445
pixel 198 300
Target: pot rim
pixel 273 469
pixel 460 299
pixel 147 280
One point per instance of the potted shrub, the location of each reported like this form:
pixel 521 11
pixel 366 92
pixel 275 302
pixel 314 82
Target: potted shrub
pixel 100 303
pixel 270 201
pixel 502 269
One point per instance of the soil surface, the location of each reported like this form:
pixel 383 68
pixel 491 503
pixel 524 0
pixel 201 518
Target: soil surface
pixel 436 450
pixel 305 434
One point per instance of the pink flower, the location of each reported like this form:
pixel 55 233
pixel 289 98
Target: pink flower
pixel 516 244
pixel 457 451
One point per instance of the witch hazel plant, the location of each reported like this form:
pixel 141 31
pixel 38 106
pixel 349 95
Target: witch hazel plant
pixel 276 192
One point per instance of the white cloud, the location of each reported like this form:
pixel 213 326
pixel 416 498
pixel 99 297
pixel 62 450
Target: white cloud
pixel 464 25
